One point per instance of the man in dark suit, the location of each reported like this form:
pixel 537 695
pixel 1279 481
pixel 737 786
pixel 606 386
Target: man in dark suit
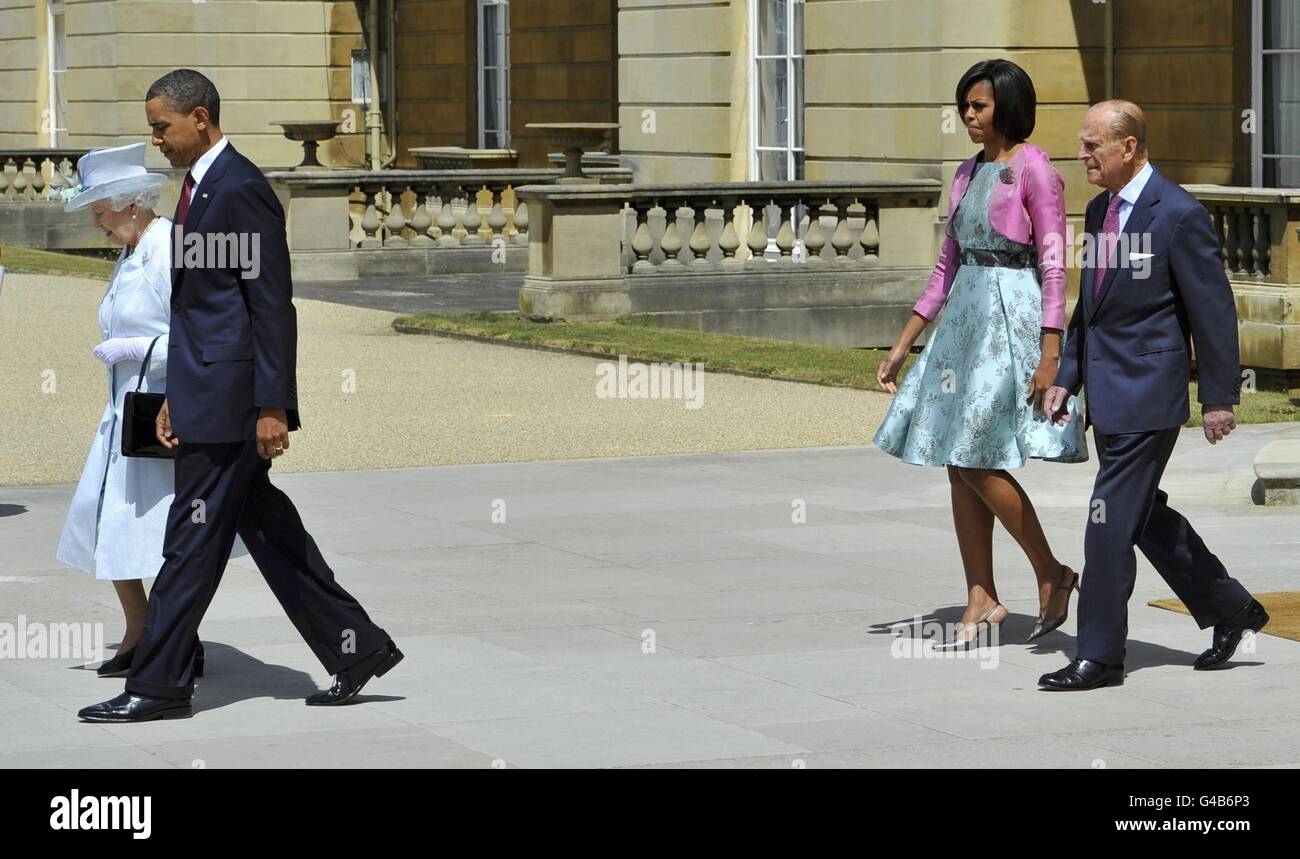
pixel 231 402
pixel 1157 283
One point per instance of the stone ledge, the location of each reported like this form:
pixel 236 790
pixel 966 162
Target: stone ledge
pixel 1277 467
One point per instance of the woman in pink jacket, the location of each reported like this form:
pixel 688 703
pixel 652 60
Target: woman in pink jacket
pixel 972 401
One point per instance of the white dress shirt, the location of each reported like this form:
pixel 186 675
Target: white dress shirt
pixel 1130 193
pixel 200 168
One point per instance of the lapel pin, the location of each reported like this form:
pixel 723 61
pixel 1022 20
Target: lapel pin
pixel 205 196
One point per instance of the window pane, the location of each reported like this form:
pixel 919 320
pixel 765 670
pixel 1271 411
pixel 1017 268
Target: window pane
pixel 772 35
pixel 798 167
pixel 772 166
pixel 773 103
pixel 1282 24
pixel 491 99
pixel 796 35
pixel 505 107
pixel 491 36
pixel 797 116
pixel 1282 172
pixel 1282 104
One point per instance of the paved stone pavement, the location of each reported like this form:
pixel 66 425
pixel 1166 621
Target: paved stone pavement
pixel 452 293
pixel 527 640
pixel 372 398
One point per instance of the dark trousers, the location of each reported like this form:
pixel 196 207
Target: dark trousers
pixel 1128 509
pixel 222 489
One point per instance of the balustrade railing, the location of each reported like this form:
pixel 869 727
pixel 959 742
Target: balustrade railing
pixel 425 209
pixel 1256 228
pixel 708 229
pixel 37 175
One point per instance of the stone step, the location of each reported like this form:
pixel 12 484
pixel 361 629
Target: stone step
pixel 1277 465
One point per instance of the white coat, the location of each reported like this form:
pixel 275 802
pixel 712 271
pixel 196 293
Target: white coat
pixel 119 511
pixel 118 516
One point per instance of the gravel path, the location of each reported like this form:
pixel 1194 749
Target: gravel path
pixel 372 398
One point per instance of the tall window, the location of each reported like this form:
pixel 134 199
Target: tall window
pixel 1277 93
pixel 776 90
pixel 494 74
pixel 56 120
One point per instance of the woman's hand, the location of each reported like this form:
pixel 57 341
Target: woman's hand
pixel 1042 380
pixel 1048 361
pixel 117 349
pixel 887 370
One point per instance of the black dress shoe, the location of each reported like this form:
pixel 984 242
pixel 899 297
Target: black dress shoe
pixel 1228 635
pixel 1082 674
pixel 137 708
pixel 348 683
pixel 120 664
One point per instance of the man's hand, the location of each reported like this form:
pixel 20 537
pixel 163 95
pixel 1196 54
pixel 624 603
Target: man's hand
pixel 1217 421
pixel 163 428
pixel 1054 401
pixel 272 433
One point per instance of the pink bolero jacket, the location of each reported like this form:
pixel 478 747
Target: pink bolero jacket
pixel 1032 206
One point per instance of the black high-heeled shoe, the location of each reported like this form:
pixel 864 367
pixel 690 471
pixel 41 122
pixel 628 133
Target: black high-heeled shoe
pixel 120 664
pixel 1043 626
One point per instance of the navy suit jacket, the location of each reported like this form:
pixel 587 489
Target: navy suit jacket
pixel 1129 348
pixel 233 344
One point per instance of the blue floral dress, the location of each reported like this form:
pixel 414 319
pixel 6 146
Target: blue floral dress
pixel 964 402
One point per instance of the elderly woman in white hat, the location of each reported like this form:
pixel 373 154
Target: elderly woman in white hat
pixel 118 515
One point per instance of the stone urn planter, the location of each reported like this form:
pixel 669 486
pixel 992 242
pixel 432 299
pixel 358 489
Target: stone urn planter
pixel 573 138
pixel 311 133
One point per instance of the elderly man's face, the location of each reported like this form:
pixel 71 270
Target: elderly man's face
pixel 1106 157
pixel 177 135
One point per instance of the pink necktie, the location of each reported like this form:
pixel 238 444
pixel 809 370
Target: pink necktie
pixel 1106 242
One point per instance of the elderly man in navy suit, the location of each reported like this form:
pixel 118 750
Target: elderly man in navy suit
pixel 231 402
pixel 1127 347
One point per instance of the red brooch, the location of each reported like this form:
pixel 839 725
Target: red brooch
pixel 1007 176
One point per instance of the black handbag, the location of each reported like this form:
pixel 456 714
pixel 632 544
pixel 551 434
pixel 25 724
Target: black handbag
pixel 140 419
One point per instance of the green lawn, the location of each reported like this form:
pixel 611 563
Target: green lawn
pixel 641 341
pixel 779 359
pixel 32 261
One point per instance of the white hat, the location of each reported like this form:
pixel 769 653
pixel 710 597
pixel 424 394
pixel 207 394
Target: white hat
pixel 108 173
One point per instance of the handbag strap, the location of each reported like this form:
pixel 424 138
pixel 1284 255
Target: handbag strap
pixel 145 366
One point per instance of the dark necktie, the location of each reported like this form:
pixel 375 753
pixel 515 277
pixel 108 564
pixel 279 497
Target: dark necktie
pixel 183 206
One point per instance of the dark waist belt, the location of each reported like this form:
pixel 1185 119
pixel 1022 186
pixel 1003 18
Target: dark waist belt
pixel 999 259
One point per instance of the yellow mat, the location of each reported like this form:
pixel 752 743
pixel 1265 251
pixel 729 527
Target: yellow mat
pixel 1283 612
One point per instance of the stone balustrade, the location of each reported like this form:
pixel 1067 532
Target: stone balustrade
pixel 347 224
pixel 830 262
pixel 789 226
pixel 33 183
pixel 1259 239
pixel 37 175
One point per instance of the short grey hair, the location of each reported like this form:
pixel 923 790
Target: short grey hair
pixel 1125 119
pixel 146 199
